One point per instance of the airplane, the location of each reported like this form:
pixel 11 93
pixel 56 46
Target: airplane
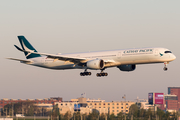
pixel 124 59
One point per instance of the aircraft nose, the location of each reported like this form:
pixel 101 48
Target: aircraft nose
pixel 173 57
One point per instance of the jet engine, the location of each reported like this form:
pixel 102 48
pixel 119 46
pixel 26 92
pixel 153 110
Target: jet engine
pixel 127 67
pixel 95 64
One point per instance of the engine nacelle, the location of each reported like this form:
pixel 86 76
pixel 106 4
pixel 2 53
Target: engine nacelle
pixel 95 64
pixel 127 67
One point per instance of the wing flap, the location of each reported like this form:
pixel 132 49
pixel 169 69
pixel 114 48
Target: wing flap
pixel 75 60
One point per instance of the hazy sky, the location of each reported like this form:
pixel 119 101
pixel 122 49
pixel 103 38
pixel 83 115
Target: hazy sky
pixel 65 26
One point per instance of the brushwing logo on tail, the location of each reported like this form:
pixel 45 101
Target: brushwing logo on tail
pixel 26 49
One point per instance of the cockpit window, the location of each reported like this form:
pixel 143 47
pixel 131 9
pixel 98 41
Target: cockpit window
pixel 167 52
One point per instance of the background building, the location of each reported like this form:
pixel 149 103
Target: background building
pixel 113 107
pixel 86 106
pixel 175 91
pixel 171 103
pixel 171 100
pixel 80 104
pixel 144 104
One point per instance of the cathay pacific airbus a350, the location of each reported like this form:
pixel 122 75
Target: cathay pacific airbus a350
pixel 125 60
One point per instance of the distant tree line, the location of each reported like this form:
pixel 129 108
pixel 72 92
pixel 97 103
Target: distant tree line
pixel 142 114
pixel 135 113
pixel 26 108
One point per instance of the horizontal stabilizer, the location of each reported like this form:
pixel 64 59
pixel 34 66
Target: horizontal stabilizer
pixel 18 48
pixel 22 61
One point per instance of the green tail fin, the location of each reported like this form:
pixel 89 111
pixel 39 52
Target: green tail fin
pixel 27 47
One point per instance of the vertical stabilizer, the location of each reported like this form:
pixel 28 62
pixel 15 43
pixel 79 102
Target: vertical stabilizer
pixel 27 47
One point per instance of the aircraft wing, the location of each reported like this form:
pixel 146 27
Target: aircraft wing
pixel 109 62
pixel 75 60
pixel 65 58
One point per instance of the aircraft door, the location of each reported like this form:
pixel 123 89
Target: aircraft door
pixel 156 52
pixel 43 61
pixel 119 55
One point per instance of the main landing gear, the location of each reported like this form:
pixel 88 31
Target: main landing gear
pixel 85 73
pixel 165 66
pixel 101 74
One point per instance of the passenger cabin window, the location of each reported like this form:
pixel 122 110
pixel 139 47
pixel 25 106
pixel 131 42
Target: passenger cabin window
pixel 167 52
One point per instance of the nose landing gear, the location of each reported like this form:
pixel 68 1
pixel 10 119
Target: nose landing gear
pixel 165 66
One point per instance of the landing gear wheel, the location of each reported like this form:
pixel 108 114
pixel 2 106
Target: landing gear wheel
pixel 85 73
pixel 106 74
pixel 82 74
pixel 165 68
pixel 101 74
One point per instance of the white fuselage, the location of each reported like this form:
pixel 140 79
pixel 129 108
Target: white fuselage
pixel 112 58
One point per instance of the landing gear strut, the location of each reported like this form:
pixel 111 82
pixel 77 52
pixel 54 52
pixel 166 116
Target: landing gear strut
pixel 101 74
pixel 85 73
pixel 165 66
